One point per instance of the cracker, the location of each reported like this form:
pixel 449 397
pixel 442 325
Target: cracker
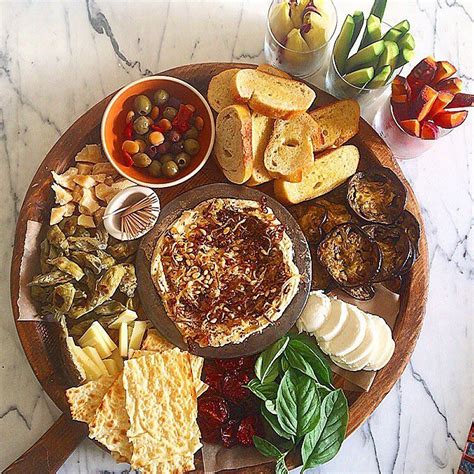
pixel 85 400
pixel 111 422
pixel 154 342
pixel 176 465
pixel 162 406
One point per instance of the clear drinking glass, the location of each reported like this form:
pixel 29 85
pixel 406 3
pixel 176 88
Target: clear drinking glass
pixel 403 145
pixel 337 86
pixel 297 63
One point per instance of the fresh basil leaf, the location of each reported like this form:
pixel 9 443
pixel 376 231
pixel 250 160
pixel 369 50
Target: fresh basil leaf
pixel 307 405
pixel 270 405
pixel 307 360
pixel 272 420
pixel 323 443
pixel 286 403
pixel 267 365
pixel 284 364
pixel 266 448
pixel 280 467
pixel 264 391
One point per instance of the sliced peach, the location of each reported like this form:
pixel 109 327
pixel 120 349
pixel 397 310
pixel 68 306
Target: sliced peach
pixel 423 103
pixel 400 110
pixel 411 126
pixel 422 74
pixel 452 85
pixel 444 70
pixel 400 90
pixel 461 100
pixel 429 131
pixel 450 119
pixel 441 102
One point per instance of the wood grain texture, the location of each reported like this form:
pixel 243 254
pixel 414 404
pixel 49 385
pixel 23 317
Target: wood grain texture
pixel 40 340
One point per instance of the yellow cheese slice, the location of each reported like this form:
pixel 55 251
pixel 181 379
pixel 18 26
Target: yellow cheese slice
pixel 123 340
pixel 92 371
pixel 111 366
pixel 139 328
pixel 126 317
pixel 92 353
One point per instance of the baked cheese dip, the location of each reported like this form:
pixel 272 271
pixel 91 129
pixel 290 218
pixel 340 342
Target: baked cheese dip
pixel 224 270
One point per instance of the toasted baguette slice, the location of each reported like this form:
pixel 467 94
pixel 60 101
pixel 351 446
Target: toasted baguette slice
pixel 329 170
pixel 338 121
pixel 262 128
pixel 290 149
pixel 275 97
pixel 233 146
pixel 218 93
pixel 269 69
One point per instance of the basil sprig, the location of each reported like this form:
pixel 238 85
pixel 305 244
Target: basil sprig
pixel 299 402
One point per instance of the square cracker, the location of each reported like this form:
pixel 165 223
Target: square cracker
pixel 85 399
pixel 161 403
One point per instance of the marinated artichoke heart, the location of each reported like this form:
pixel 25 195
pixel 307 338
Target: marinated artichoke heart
pixel 224 270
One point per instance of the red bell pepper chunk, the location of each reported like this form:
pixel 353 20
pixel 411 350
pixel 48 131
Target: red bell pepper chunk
pixel 128 132
pixel 127 159
pixel 181 121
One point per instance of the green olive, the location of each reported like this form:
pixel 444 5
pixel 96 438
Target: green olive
pixel 183 160
pixel 142 104
pixel 141 160
pixel 166 157
pixel 155 169
pixel 141 125
pixel 170 169
pixel 192 133
pixel 160 97
pixel 191 146
pixel 169 113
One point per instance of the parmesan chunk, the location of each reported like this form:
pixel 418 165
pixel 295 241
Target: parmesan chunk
pixel 88 203
pixel 90 154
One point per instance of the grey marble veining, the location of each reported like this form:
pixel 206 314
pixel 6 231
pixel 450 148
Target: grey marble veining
pixel 58 58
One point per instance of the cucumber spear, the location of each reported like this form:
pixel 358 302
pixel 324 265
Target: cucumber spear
pixel 372 32
pixel 360 77
pixel 389 56
pixel 405 56
pixel 342 46
pixel 378 8
pixel 366 57
pixel 406 42
pixel 381 78
pixel 358 17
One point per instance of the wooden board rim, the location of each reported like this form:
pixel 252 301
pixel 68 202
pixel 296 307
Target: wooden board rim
pixel 412 308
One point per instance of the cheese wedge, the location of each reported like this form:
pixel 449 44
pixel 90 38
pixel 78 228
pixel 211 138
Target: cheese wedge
pixel 126 317
pixel 384 346
pixel 111 366
pixel 115 356
pixel 97 337
pixel 92 371
pixel 139 328
pixel 314 313
pixel 362 351
pixel 95 357
pixel 123 340
pixel 350 336
pixel 334 321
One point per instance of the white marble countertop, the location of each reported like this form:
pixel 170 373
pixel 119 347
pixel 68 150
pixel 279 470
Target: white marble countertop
pixel 58 58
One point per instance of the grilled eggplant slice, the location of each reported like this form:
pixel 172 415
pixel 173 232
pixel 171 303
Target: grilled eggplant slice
pixel 350 256
pixel 362 293
pixel 337 213
pixel 377 195
pixel 412 227
pixel 311 223
pixel 320 278
pixel 395 248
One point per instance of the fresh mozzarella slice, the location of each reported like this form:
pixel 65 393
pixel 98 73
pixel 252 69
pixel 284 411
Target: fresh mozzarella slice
pixel 338 361
pixel 334 321
pixel 314 313
pixel 363 350
pixel 384 346
pixel 350 336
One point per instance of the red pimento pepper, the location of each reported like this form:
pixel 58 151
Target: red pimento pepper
pixel 181 121
pixel 127 159
pixel 128 132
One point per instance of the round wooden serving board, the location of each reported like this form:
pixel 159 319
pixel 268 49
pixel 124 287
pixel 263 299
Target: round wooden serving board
pixel 41 342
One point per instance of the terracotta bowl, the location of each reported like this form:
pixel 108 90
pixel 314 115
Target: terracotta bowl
pixel 113 125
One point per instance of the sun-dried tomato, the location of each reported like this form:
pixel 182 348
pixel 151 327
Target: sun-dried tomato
pixel 213 377
pixel 210 431
pixel 229 434
pixel 248 428
pixel 233 386
pixel 181 121
pixel 230 364
pixel 213 409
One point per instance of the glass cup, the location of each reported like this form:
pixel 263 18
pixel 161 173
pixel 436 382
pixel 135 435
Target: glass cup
pixel 337 86
pixel 297 63
pixel 403 145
